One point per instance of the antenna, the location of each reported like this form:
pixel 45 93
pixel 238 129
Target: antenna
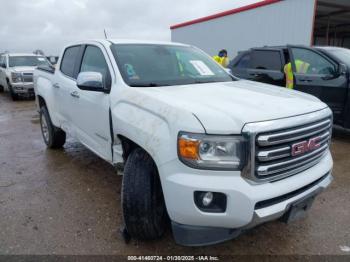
pixel 104 30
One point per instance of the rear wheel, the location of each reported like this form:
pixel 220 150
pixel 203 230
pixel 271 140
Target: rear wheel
pixel 144 211
pixel 54 137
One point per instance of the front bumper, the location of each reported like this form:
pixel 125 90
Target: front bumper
pixel 193 227
pixel 23 88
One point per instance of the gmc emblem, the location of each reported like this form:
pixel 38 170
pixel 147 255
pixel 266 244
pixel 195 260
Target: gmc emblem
pixel 306 146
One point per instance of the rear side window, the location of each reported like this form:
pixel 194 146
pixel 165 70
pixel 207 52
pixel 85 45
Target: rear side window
pixel 244 62
pixel 69 59
pixel 266 59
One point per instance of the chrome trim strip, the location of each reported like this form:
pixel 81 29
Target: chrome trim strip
pixel 266 154
pixel 293 163
pixel 264 140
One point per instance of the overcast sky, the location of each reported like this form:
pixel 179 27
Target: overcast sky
pixel 27 25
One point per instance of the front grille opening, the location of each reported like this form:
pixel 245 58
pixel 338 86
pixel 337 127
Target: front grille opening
pixel 284 164
pixel 279 199
pixel 274 159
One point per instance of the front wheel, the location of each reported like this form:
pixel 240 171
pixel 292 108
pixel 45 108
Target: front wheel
pixel 54 137
pixel 14 96
pixel 144 210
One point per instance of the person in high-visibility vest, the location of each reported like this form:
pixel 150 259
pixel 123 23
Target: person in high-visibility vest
pixel 301 67
pixel 222 58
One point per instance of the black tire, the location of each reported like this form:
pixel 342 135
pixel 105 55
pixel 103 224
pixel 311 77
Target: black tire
pixel 1 89
pixel 144 210
pixel 54 137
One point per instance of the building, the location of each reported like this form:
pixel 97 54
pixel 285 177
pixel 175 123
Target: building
pixel 269 22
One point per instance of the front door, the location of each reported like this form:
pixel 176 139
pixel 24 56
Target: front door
pixel 91 112
pixel 318 75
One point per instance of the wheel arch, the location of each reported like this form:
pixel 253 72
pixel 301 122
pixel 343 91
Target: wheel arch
pixel 128 145
pixel 41 101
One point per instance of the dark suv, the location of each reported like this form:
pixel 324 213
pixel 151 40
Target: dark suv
pixel 327 76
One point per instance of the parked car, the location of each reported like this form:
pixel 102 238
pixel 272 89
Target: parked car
pixel 327 77
pixel 16 73
pixel 215 154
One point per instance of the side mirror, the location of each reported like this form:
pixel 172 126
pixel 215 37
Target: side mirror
pixel 343 69
pixel 91 81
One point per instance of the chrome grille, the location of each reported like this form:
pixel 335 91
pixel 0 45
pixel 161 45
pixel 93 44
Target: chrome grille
pixel 273 150
pixel 27 77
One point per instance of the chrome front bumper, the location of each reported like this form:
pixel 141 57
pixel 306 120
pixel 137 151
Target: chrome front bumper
pixel 23 88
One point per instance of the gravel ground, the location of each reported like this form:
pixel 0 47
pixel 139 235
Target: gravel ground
pixel 68 202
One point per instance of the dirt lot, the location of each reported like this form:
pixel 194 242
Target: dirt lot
pixel 68 202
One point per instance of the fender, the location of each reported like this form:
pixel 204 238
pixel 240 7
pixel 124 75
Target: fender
pixel 151 124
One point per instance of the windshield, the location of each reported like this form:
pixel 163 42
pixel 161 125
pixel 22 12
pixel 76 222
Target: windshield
pixel 166 65
pixel 27 61
pixel 342 54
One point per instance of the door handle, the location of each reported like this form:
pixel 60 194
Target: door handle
pixel 75 94
pixel 305 80
pixel 56 85
pixel 256 74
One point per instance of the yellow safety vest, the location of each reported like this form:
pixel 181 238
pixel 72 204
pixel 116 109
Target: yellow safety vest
pixel 301 67
pixel 180 64
pixel 224 61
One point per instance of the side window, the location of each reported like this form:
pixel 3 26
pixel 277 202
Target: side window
pixel 3 60
pixel 70 56
pixel 94 61
pixel 309 62
pixel 266 59
pixel 244 62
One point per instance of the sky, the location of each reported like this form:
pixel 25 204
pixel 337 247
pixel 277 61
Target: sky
pixel 27 25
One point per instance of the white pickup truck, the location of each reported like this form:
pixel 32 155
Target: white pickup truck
pixel 212 154
pixel 16 73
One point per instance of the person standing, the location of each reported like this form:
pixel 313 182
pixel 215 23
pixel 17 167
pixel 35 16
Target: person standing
pixel 301 67
pixel 222 58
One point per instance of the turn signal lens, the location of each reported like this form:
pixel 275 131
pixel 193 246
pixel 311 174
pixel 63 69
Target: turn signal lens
pixel 188 148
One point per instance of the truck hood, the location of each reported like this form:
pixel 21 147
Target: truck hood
pixel 225 107
pixel 21 69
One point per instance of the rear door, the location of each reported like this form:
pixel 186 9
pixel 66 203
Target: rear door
pixel 321 79
pixel 266 66
pixel 66 84
pixel 240 65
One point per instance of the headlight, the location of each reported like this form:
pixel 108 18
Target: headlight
pixel 16 77
pixel 212 151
